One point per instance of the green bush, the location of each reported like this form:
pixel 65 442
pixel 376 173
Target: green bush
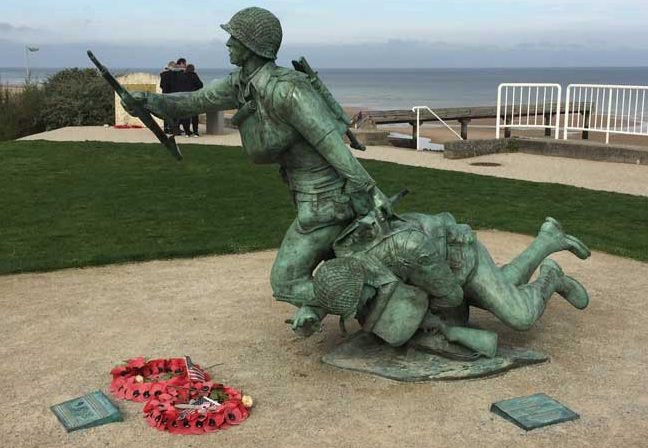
pixel 77 97
pixel 20 111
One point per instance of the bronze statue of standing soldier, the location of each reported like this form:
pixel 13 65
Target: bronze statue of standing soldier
pixel 282 119
pixel 398 275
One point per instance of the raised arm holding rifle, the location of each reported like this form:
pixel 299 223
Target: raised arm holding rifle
pixel 285 118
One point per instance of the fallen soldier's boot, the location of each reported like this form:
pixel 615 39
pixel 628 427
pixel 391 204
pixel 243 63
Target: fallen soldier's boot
pixel 551 229
pixel 569 288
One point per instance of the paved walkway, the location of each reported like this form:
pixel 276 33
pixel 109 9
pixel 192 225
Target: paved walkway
pixel 607 176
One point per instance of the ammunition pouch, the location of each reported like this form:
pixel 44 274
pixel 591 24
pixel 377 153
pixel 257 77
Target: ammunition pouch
pixel 244 112
pixel 315 211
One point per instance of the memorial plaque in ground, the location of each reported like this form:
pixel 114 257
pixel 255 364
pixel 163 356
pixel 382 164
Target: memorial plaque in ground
pixel 534 411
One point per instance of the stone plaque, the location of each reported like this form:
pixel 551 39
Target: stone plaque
pixel 90 410
pixel 534 411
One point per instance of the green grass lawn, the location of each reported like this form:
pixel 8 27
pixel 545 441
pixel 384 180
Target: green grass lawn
pixel 81 204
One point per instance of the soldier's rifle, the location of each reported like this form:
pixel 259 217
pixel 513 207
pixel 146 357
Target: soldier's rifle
pixel 303 66
pixel 136 109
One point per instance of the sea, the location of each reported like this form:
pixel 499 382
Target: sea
pixel 384 89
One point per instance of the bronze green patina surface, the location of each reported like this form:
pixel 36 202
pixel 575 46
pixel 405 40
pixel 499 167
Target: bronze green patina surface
pixel 284 119
pixel 88 411
pixel 366 353
pixel 406 279
pixel 413 278
pixel 534 411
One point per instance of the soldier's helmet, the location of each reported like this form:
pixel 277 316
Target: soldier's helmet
pixel 338 286
pixel 258 29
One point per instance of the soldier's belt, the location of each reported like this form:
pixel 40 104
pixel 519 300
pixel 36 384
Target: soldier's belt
pixel 319 182
pixel 315 197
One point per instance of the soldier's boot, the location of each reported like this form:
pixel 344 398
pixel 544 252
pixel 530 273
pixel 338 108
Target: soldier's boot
pixel 557 239
pixel 551 238
pixel 553 279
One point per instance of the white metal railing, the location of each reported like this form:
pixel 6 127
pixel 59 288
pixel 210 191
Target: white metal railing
pixel 417 109
pixel 528 105
pixel 613 109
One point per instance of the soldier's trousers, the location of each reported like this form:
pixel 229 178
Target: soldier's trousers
pixel 504 291
pixel 308 241
pixel 298 256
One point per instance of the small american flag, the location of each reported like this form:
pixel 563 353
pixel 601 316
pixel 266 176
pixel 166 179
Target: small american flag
pixel 194 373
pixel 204 403
pixel 200 405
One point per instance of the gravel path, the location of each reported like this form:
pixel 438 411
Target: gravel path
pixel 63 331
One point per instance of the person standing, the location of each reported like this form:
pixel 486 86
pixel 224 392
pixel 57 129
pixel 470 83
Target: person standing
pixel 168 85
pixel 183 85
pixel 194 83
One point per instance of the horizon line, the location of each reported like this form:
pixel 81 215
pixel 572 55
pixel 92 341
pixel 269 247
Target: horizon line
pixel 363 68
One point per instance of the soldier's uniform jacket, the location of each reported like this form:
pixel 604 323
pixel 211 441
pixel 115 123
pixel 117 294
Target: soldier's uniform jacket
pixel 419 249
pixel 283 120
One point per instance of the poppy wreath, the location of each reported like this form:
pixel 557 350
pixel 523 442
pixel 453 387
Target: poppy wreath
pixel 138 379
pixel 161 412
pixel 165 384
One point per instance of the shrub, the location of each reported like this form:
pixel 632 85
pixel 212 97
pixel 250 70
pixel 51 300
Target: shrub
pixel 20 111
pixel 77 97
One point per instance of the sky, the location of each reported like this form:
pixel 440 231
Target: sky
pixel 333 33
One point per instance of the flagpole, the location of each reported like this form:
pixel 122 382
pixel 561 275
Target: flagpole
pixel 27 74
pixel 28 50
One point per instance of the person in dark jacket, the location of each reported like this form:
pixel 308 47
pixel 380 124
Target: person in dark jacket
pixel 168 85
pixel 194 83
pixel 183 84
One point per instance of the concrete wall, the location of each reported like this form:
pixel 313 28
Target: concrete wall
pixel 142 82
pixel 586 150
pixel 462 149
pixel 549 147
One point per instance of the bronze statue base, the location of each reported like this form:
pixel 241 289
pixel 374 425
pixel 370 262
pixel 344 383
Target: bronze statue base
pixel 364 352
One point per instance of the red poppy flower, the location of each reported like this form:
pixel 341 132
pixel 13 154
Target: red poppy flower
pixel 233 413
pixel 117 386
pixel 175 427
pixel 151 405
pixel 213 421
pixel 196 424
pixel 156 389
pixel 244 410
pixel 177 365
pixel 232 393
pixel 200 389
pixel 137 363
pixel 157 366
pixel 136 392
pixel 119 371
pixel 155 419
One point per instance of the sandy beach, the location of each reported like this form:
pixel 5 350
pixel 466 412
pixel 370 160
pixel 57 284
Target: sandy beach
pixel 485 129
pixel 11 88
